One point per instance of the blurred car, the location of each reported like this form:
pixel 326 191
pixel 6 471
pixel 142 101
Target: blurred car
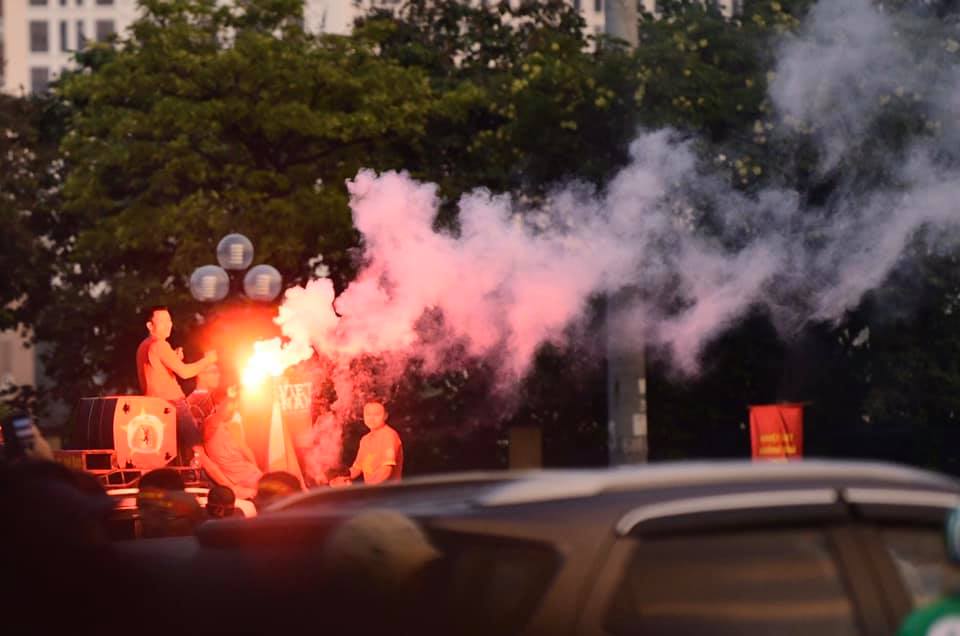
pixel 812 547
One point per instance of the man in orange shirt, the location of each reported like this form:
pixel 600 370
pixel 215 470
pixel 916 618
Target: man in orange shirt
pixel 158 366
pixel 224 455
pixel 380 456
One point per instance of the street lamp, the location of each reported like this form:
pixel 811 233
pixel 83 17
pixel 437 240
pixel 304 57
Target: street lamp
pixel 211 283
pixel 234 330
pixel 262 283
pixel 235 252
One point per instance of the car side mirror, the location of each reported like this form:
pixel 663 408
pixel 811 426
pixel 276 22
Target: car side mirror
pixel 953 535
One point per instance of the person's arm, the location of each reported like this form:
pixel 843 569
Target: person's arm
pixel 355 471
pixel 212 468
pixel 381 475
pixel 243 492
pixel 247 452
pixel 235 430
pixel 356 468
pixel 218 476
pixel 169 358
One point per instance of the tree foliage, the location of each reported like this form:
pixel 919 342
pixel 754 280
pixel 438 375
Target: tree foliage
pixel 213 117
pixel 543 102
pixel 208 120
pixel 29 178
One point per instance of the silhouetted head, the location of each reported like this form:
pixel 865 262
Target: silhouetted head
pixel 165 478
pixel 274 486
pixel 166 509
pixel 220 502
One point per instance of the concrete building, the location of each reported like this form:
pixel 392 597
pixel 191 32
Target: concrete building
pixel 38 37
pixel 1 43
pixel 601 16
pixel 337 16
pixel 18 364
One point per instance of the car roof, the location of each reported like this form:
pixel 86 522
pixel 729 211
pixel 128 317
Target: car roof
pixel 595 500
pixel 492 489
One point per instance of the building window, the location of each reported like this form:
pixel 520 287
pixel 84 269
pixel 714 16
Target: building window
pixel 63 3
pixel 38 3
pixel 39 36
pixel 105 3
pixel 576 4
pixel 39 79
pixel 64 44
pixel 104 29
pixel 79 3
pixel 598 5
pixel 81 37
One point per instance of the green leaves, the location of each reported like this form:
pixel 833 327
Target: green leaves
pixel 29 194
pixel 527 99
pixel 209 121
pixel 219 117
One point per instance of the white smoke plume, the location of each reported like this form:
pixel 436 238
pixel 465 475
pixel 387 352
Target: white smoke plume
pixel 510 281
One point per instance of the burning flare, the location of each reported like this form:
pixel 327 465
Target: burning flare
pixel 269 360
pixel 266 361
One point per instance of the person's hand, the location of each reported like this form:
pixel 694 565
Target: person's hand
pixel 210 357
pixel 179 352
pixel 340 482
pixel 41 449
pixel 242 492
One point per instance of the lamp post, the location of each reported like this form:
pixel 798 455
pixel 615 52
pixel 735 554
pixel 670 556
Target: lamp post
pixel 212 283
pixel 264 412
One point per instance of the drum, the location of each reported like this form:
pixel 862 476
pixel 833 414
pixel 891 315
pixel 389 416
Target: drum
pixel 142 430
pixel 92 424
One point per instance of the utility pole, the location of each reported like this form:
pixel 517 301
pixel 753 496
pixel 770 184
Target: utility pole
pixel 626 363
pixel 626 396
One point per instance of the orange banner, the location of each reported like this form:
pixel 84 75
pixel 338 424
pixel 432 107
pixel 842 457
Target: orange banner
pixel 776 431
pixel 274 420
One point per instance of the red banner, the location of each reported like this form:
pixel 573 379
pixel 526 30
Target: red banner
pixel 776 431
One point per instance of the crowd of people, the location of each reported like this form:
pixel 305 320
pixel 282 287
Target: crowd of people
pixel 58 534
pixel 58 553
pixel 209 424
pixel 376 571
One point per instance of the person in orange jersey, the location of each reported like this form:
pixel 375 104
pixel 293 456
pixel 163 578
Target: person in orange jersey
pixel 380 456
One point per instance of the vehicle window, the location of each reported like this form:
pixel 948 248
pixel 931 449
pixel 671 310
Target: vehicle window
pixel 776 582
pixel 493 587
pixel 921 557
